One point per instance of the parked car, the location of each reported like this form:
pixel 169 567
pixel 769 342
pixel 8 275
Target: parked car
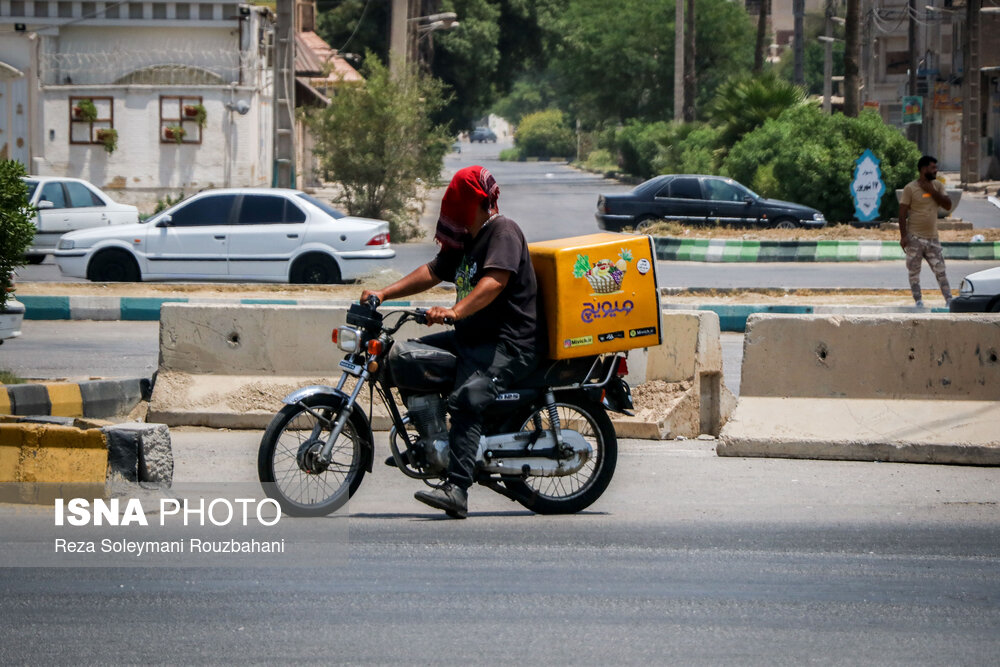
pixel 979 293
pixel 11 316
pixel 233 234
pixel 482 135
pixel 68 204
pixel 697 199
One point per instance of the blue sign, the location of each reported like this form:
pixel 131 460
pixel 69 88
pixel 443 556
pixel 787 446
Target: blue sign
pixel 867 187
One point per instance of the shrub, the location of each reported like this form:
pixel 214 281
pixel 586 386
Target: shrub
pixel 601 161
pixel 379 143
pixel 16 227
pixel 808 157
pixel 689 148
pixel 544 134
pixel 638 143
pixel 512 154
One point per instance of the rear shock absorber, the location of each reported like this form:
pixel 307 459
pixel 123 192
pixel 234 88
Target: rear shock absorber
pixel 554 425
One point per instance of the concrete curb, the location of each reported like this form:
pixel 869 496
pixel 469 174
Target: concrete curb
pixel 738 250
pixel 100 399
pixel 731 318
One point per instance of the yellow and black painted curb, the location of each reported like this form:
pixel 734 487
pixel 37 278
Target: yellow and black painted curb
pixel 99 399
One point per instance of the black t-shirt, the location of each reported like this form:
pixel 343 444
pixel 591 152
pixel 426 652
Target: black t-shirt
pixel 513 315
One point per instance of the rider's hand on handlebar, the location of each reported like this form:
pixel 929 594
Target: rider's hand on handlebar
pixel 441 315
pixel 367 294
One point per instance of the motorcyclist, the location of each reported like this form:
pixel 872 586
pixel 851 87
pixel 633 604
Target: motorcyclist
pixel 495 338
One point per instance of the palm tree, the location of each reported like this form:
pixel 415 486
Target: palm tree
pixel 744 103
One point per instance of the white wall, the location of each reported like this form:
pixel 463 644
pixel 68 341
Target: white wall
pixel 144 163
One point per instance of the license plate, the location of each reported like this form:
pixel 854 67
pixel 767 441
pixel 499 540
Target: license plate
pixel 353 369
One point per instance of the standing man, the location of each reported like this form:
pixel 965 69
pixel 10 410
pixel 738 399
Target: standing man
pixel 918 209
pixel 495 339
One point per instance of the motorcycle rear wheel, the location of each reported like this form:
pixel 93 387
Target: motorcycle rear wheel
pixel 576 492
pixel 284 458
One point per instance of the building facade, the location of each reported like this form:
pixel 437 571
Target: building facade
pixel 184 88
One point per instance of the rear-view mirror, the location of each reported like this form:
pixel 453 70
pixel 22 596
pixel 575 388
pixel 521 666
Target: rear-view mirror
pixel 164 221
pixel 44 204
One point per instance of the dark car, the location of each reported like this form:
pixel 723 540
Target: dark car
pixel 699 199
pixel 483 134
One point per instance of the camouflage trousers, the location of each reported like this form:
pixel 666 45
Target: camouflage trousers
pixel 918 249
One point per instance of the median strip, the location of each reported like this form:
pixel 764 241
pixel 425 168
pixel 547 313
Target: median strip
pixel 741 250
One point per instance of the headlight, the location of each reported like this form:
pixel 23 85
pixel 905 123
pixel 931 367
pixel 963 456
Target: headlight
pixel 818 216
pixel 66 244
pixel 966 288
pixel 349 339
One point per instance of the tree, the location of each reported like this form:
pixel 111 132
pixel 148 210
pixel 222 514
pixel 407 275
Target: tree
pixel 376 140
pixel 760 45
pixel 544 134
pixel 615 61
pixel 745 102
pixel 16 228
pixel 808 157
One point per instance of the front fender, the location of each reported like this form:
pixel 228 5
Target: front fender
pixel 338 397
pixel 314 390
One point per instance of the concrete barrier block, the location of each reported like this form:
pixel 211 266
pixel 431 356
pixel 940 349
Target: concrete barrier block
pixel 908 388
pixel 141 452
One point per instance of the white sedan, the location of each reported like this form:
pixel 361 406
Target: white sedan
pixel 235 234
pixel 68 204
pixel 979 293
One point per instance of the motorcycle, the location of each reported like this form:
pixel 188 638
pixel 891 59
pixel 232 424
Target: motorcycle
pixel 547 443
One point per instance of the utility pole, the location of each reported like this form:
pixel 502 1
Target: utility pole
pixel 690 81
pixel 828 60
pixel 971 111
pixel 799 10
pixel 398 35
pixel 284 96
pixel 913 129
pixel 679 60
pixel 851 26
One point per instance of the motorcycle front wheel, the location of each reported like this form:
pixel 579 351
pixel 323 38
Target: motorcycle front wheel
pixel 287 465
pixel 575 492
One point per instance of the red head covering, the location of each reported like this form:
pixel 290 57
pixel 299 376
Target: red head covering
pixel 469 188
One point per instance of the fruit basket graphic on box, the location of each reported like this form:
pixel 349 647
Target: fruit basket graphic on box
pixel 604 276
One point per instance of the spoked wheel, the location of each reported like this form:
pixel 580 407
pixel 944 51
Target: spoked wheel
pixel 288 463
pixel 575 492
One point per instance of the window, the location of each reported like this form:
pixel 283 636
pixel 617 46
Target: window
pixel 182 11
pixel 722 191
pixel 179 119
pixel 111 11
pixel 323 206
pixel 84 129
pixel 685 188
pixel 269 209
pixel 32 186
pixel 89 9
pixel 206 12
pixel 65 10
pixel 135 10
pixel 53 192
pixel 210 210
pixel 41 9
pixel 80 195
pixel 17 7
pixel 159 10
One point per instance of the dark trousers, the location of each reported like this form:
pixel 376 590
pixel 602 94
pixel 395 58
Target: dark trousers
pixel 482 373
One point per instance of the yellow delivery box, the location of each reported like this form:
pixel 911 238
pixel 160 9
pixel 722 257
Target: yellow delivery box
pixel 598 293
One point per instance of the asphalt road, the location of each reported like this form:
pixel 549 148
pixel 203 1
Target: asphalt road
pixel 687 559
pixel 82 349
pixel 551 200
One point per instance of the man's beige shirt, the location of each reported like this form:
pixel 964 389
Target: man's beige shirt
pixel 922 218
